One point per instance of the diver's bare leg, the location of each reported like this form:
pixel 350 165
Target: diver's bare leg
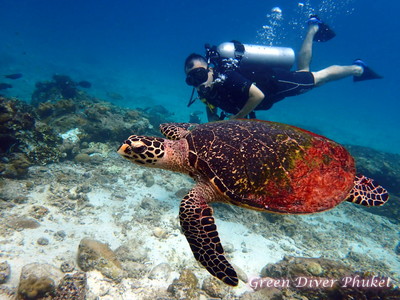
pixel 305 53
pixel 335 73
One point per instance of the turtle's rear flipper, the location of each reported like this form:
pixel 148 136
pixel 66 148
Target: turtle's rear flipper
pixel 367 192
pixel 201 232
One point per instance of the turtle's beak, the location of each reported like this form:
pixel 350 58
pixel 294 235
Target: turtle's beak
pixel 125 150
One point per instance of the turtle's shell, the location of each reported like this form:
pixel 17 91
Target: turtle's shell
pixel 271 166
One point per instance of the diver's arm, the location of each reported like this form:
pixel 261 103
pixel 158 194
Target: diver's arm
pixel 255 98
pixel 212 114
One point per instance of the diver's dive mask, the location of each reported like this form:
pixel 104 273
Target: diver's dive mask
pixel 197 76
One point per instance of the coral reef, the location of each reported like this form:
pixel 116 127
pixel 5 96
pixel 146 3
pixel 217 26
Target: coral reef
pixel 215 288
pixel 15 116
pixel 24 140
pixel 185 287
pixel 15 166
pixel 38 280
pixel 5 271
pixel 160 272
pixel 72 286
pixel 21 223
pixel 318 278
pixel 294 267
pixel 60 87
pixel 33 287
pixel 60 127
pixel 94 255
pixel 97 121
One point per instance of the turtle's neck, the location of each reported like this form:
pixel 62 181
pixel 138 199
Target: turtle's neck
pixel 175 156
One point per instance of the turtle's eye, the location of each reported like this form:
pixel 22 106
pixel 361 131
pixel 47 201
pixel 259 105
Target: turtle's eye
pixel 139 149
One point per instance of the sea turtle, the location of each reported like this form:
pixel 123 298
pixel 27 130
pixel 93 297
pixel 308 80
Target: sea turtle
pixel 259 165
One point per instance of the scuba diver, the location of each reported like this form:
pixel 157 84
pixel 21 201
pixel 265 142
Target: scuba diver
pixel 238 90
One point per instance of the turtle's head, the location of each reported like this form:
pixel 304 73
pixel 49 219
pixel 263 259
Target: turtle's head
pixel 143 150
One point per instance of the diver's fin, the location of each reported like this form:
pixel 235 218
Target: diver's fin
pixel 367 74
pixel 324 33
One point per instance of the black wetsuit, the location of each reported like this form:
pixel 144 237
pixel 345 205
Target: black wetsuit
pixel 230 91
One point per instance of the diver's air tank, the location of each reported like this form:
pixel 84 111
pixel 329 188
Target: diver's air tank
pixel 258 56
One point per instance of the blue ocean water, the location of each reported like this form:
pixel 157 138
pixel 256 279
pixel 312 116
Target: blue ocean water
pixel 136 50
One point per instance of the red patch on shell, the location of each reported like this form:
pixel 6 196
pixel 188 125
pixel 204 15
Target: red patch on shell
pixel 320 180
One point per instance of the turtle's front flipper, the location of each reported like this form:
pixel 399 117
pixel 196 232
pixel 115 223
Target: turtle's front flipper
pixel 201 232
pixel 176 131
pixel 367 192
